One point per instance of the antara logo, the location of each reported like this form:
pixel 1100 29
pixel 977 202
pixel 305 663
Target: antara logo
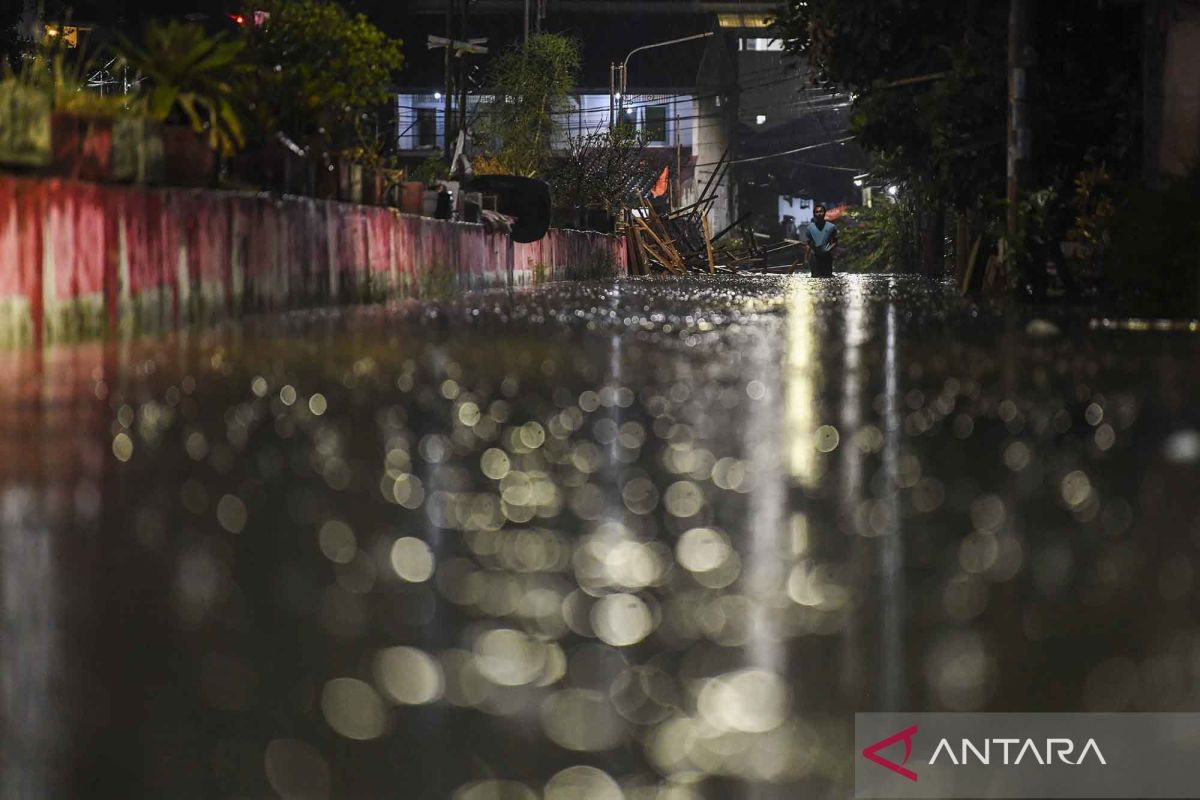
pixel 1009 752
pixel 871 753
pixel 1049 750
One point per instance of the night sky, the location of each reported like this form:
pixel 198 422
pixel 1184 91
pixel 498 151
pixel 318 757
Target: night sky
pixel 605 37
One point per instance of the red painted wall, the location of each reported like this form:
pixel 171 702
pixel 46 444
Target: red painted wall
pixel 76 254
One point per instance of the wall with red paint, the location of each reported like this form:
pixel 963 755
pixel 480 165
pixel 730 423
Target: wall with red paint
pixel 81 258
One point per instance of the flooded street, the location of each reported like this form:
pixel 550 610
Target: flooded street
pixel 639 539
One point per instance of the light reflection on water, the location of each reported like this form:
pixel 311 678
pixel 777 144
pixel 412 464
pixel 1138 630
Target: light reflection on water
pixel 662 548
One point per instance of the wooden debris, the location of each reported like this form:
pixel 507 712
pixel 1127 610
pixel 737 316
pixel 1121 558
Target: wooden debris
pixel 681 241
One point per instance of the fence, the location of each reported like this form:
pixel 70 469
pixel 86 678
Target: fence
pixel 86 259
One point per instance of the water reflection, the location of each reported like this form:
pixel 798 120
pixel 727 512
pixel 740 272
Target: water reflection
pixel 650 542
pixel 893 684
pixel 30 655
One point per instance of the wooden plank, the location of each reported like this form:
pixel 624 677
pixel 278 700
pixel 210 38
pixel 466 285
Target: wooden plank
pixel 671 248
pixel 666 247
pixel 707 243
pixel 658 253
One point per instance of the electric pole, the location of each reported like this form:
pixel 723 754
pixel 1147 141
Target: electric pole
pixel 1020 135
pixel 446 90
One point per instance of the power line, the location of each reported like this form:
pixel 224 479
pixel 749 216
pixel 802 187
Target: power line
pixel 784 152
pixel 662 98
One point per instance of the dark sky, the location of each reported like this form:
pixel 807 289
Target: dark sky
pixel 604 37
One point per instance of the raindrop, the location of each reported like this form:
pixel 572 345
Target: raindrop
pixel 337 542
pixel 640 496
pixel 582 783
pixel 702 549
pixel 826 439
pixel 408 676
pixel 353 709
pixel 231 513
pixel 296 770
pixel 581 719
pixel 683 499
pixel 122 446
pixel 1181 447
pixel 621 620
pixel 412 559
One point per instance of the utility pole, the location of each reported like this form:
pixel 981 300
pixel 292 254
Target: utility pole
pixel 678 193
pixel 1020 136
pixel 460 49
pixel 446 90
pixel 526 21
pixel 620 93
pixel 612 91
pixel 462 69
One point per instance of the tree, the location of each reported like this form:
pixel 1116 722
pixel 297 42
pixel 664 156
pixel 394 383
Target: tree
pixel 320 71
pixel 192 78
pixel 928 97
pixel 531 84
pixel 930 82
pixel 599 168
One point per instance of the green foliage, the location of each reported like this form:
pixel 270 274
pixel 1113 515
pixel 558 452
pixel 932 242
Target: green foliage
pixel 432 170
pixel 927 75
pixel 320 71
pixel 531 83
pixel 881 238
pixel 192 78
pixel 1094 207
pixel 60 72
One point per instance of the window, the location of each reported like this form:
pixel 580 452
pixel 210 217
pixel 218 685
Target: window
pixel 654 124
pixel 761 45
pixel 427 127
pixel 629 117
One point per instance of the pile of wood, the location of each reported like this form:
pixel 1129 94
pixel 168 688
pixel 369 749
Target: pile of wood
pixel 680 240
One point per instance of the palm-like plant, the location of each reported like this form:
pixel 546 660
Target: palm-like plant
pixel 193 77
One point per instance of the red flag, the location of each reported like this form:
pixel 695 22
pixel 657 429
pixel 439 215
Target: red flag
pixel 660 186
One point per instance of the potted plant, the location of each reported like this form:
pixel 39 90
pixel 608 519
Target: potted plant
pixel 192 78
pixel 24 123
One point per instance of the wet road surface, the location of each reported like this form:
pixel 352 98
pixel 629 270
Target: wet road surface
pixel 639 540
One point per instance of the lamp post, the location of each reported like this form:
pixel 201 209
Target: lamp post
pixel 622 82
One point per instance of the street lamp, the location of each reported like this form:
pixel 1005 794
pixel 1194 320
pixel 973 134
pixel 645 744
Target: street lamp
pixel 622 84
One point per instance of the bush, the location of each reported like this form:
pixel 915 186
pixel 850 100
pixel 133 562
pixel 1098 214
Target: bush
pixel 432 170
pixel 881 238
pixel 193 79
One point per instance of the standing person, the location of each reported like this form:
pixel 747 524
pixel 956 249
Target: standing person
pixel 821 238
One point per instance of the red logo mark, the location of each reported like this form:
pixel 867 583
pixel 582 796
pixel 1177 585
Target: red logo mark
pixel 872 753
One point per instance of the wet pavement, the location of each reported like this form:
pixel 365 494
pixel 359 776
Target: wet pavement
pixel 647 540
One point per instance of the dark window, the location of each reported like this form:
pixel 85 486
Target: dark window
pixel 427 127
pixel 629 117
pixel 655 124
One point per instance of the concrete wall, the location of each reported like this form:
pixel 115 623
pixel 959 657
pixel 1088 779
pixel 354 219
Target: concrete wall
pixel 1179 148
pixel 84 259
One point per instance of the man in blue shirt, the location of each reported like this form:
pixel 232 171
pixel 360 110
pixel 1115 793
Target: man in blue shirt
pixel 821 239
